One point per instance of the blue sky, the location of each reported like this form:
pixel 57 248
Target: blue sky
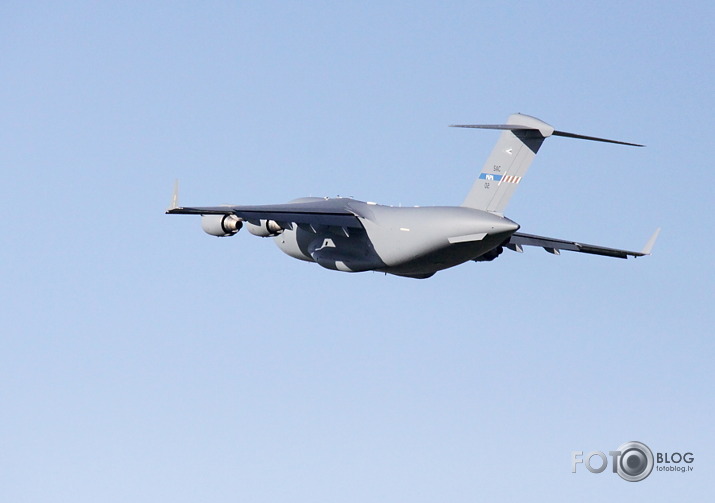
pixel 143 360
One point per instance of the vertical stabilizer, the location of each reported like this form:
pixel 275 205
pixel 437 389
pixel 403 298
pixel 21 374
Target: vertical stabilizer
pixel 511 157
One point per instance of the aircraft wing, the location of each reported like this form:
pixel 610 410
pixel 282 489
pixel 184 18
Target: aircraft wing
pixel 554 246
pixel 328 212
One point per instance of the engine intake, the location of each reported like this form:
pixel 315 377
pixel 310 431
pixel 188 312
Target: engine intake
pixel 221 225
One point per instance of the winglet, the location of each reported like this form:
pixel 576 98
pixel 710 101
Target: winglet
pixel 651 242
pixel 174 197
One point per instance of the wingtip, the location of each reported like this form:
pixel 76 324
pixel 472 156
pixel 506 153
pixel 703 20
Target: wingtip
pixel 174 197
pixel 648 248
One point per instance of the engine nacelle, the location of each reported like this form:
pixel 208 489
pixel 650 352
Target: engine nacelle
pixel 267 228
pixel 221 225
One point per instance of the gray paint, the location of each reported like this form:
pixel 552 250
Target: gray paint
pixel 344 234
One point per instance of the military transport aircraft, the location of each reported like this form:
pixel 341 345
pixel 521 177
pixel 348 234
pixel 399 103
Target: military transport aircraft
pixel 343 234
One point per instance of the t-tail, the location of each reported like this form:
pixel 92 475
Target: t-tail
pixel 510 159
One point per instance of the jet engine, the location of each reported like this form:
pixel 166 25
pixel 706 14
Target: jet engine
pixel 266 228
pixel 221 225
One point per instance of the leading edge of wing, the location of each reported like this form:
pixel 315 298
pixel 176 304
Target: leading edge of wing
pixel 552 245
pixel 325 212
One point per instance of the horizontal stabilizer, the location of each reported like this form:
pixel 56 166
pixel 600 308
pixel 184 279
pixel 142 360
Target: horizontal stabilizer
pixel 545 132
pixel 593 138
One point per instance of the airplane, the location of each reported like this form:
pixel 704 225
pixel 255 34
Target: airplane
pixel 345 234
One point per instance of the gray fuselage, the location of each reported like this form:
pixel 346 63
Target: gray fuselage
pixel 414 241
